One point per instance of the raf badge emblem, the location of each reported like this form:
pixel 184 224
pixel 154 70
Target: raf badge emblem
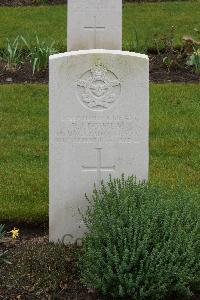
pixel 98 88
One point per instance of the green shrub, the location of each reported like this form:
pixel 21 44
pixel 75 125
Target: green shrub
pixel 39 54
pixel 12 54
pixel 194 60
pixel 142 242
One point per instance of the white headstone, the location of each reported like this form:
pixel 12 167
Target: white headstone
pixel 94 24
pixel 99 123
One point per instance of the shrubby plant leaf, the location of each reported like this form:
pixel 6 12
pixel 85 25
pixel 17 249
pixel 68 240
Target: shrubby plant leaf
pixel 143 241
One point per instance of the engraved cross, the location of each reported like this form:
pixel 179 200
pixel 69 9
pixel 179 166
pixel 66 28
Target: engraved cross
pixel 95 28
pixel 99 168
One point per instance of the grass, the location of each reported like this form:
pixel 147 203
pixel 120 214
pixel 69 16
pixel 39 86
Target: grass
pixel 174 144
pixel 175 134
pixel 24 152
pixel 146 18
pixel 149 19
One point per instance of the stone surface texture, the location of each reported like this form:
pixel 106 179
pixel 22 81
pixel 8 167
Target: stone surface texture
pixel 94 24
pixel 99 125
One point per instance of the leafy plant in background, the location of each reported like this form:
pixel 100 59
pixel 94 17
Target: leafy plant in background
pixel 164 43
pixel 194 60
pixel 3 257
pixel 192 50
pixel 143 241
pixel 168 61
pixel 12 54
pixel 39 54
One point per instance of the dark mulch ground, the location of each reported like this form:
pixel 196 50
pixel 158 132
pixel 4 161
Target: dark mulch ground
pixel 158 73
pixel 33 240
pixel 52 2
pixel 30 2
pixel 178 73
pixel 70 288
pixel 22 75
pixel 34 236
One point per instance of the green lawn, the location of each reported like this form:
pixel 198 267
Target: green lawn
pixel 146 18
pixel 175 134
pixel 174 144
pixel 24 152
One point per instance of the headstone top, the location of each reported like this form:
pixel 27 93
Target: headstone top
pixel 94 24
pixel 99 51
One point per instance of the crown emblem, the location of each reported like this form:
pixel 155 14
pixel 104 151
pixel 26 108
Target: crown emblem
pixel 98 71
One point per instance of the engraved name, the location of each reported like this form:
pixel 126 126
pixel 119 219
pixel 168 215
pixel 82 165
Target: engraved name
pixel 120 129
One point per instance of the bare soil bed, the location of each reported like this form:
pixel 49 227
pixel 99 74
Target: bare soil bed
pixel 30 2
pixel 51 2
pixel 158 73
pixel 33 237
pixel 36 235
pixel 178 73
